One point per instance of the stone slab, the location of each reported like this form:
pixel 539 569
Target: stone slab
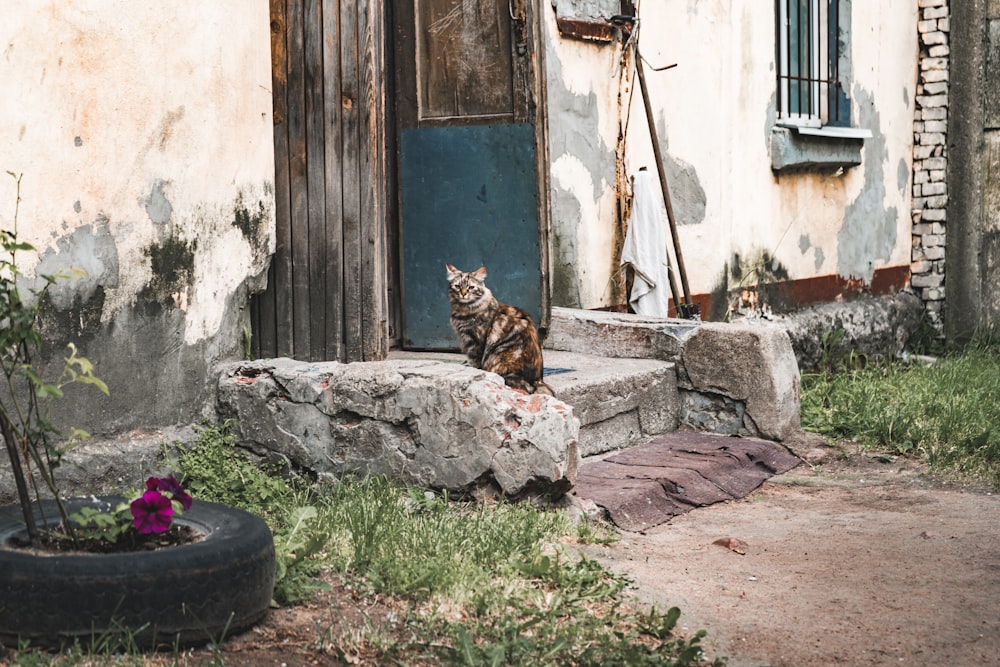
pixel 619 402
pixel 747 371
pixel 428 422
pixel 677 472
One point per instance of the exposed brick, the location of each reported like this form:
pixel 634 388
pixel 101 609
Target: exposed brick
pixel 934 253
pixel 927 25
pixel 933 294
pixel 931 139
pixel 933 63
pixel 935 12
pixel 923 153
pixel 933 215
pixel 938 51
pixel 944 24
pixel 935 126
pixel 931 3
pixel 936 88
pixel 931 101
pixel 936 37
pixel 934 75
pixel 917 268
pixel 936 174
pixel 934 163
pixel 921 176
pixel 938 188
pixel 928 228
pixel 927 280
pixel 937 113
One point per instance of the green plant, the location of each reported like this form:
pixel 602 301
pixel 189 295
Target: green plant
pixel 946 412
pixel 30 437
pixel 215 469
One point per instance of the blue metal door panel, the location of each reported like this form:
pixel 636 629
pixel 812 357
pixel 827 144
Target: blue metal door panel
pixel 469 198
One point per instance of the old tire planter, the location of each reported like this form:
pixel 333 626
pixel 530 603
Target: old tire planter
pixel 186 594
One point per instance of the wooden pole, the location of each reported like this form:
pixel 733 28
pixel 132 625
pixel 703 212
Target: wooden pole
pixel 658 155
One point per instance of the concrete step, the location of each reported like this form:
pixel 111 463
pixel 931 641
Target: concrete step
pixel 619 402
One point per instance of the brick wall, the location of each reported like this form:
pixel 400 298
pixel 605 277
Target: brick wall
pixel 930 155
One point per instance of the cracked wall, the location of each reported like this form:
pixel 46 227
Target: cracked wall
pixel 144 141
pixel 709 114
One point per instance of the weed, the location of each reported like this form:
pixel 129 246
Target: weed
pixel 946 412
pixel 474 583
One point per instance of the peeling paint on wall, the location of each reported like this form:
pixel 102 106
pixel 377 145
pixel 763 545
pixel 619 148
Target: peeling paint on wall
pixel 687 196
pixel 146 139
pixel 869 231
pixel 87 260
pixel 158 207
pixel 582 167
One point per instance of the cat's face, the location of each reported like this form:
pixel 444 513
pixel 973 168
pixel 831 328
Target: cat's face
pixel 466 287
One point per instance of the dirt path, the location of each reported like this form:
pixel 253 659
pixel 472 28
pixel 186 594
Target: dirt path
pixel 855 562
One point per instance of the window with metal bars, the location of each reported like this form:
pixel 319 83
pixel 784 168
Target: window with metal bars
pixel 809 39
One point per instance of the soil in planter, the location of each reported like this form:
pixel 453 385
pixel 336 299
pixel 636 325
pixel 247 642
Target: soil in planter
pixel 53 543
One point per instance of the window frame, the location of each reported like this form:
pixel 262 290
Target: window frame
pixel 809 92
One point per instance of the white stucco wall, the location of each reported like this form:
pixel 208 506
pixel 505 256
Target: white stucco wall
pixel 151 120
pixel 143 136
pixel 714 114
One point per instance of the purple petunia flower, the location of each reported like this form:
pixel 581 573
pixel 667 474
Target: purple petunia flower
pixel 152 513
pixel 173 487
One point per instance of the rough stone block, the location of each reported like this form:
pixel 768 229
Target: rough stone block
pixel 756 372
pixel 619 402
pixel 753 364
pixel 433 424
pixel 871 325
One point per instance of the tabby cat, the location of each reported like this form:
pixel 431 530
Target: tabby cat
pixel 495 337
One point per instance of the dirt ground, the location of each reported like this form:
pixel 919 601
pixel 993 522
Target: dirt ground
pixel 852 562
pixel 855 561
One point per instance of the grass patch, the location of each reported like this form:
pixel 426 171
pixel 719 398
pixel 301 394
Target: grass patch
pixel 947 412
pixel 467 583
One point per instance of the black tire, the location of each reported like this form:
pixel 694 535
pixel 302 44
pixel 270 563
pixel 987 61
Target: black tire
pixel 193 593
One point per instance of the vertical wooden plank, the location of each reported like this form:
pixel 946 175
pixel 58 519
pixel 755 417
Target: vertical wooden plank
pixel 352 183
pixel 277 341
pixel 390 215
pixel 315 118
pixel 537 114
pixel 298 285
pixel 374 304
pixel 991 75
pixel 464 58
pixel 334 334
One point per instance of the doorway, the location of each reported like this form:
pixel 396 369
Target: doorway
pixel 470 150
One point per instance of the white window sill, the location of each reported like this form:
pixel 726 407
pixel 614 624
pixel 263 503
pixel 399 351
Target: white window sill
pixel 835 132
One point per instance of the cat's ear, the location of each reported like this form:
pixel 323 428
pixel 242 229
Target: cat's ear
pixel 480 273
pixel 451 270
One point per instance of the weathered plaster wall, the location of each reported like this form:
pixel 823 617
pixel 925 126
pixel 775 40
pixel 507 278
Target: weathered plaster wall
pixel 714 115
pixel 143 135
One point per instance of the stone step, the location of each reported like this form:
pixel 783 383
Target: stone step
pixel 619 402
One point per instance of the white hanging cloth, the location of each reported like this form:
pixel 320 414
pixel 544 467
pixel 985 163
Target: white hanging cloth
pixel 646 248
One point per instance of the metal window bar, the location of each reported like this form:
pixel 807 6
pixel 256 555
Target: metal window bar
pixel 808 54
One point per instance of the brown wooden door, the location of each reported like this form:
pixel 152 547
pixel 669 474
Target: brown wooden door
pixel 326 297
pixel 470 150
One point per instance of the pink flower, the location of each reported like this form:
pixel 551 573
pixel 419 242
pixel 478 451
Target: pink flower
pixel 152 513
pixel 173 487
